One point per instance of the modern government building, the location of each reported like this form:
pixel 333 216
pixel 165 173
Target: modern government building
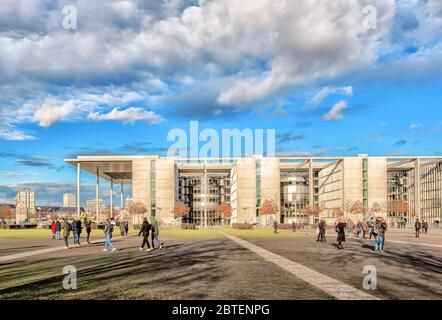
pixel 303 189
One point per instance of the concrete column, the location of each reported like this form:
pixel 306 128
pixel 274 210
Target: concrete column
pixel 111 194
pixel 310 184
pixel 205 193
pixel 97 191
pixel 121 197
pixel 78 188
pixel 417 188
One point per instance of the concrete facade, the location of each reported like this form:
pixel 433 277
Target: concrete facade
pixel 24 205
pixel 329 183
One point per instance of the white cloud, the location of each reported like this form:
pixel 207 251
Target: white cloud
pixel 129 115
pixel 50 113
pixel 246 50
pixel 335 112
pixel 14 134
pixel 326 91
pixel 415 126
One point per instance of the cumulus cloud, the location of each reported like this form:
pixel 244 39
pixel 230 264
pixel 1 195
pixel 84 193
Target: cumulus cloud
pixel 335 112
pixel 245 51
pixel 49 113
pixel 129 115
pixel 326 91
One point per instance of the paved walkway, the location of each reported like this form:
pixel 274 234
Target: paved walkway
pixel 332 235
pixel 327 284
pixel 43 251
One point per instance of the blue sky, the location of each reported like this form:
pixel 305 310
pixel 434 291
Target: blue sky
pixel 133 70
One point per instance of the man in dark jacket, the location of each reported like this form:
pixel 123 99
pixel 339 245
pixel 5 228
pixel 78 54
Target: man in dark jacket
pixel 417 227
pixel 145 230
pixel 87 226
pixel 57 229
pixel 76 225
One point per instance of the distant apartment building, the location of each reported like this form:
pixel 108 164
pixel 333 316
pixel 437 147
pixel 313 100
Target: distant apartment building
pixel 91 206
pixel 69 200
pixel 303 189
pixel 24 205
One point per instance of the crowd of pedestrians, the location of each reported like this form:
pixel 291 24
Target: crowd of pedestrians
pixel 74 227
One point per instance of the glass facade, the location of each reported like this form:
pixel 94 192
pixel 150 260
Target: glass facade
pixel 191 191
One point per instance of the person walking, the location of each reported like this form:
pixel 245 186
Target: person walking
pixel 145 230
pixel 57 229
pixel 108 229
pixel 88 227
pixel 126 225
pixel 358 228
pixel 53 229
pixel 340 229
pixel 425 226
pixel 122 227
pixel 275 227
pixel 381 228
pixel 155 234
pixel 76 224
pixel 417 227
pixel 66 227
pixel 371 225
pixel 293 227
pixel 321 234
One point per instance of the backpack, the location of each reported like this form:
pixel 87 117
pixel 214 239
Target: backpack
pixel 337 228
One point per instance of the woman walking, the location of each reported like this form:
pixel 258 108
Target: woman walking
pixel 340 229
pixel 145 230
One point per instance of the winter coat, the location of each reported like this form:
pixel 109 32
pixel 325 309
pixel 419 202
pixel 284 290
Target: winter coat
pixel 155 229
pixel 76 226
pixel 57 226
pixel 108 229
pixel 66 227
pixel 87 225
pixel 145 228
pixel 341 231
pixel 53 227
